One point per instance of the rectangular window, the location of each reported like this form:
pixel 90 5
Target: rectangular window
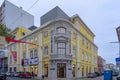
pixel 35 39
pixel 31 53
pixel 86 56
pixel 82 55
pixel 61 48
pixel 74 51
pixel 51 45
pixel 74 35
pixel 46 50
pixel 10 59
pixel 83 41
pixel 35 52
pixel 24 55
pixel 45 34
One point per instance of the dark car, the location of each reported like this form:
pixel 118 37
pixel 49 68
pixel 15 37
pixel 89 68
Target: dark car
pixel 91 75
pixel 2 76
pixel 97 73
pixel 118 78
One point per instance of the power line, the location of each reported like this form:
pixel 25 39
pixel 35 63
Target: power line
pixel 24 12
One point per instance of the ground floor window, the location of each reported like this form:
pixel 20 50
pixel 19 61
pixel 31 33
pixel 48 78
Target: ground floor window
pixel 34 69
pixel 46 70
pixel 14 69
pixel 61 70
pixel 10 69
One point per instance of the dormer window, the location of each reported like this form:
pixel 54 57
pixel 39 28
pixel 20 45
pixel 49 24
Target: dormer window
pixel 61 30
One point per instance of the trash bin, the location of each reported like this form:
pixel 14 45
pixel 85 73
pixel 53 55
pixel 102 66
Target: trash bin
pixel 108 75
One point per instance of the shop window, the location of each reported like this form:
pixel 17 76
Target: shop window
pixel 10 69
pixel 14 69
pixel 10 59
pixel 46 70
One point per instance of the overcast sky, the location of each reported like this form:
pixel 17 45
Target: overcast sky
pixel 101 16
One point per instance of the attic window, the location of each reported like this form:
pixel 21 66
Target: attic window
pixel 61 30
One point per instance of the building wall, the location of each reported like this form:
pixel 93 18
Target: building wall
pixel 82 48
pixel 13 16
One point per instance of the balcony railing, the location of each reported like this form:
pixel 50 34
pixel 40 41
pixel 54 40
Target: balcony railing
pixel 61 56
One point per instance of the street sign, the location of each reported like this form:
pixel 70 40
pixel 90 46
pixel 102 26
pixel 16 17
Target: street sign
pixel 117 59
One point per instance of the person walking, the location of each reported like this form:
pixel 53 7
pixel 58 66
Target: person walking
pixel 32 74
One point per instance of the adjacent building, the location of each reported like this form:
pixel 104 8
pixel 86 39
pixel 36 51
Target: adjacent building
pixel 3 55
pixel 101 64
pixel 64 47
pixel 13 16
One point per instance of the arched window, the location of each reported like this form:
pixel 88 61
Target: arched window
pixel 61 30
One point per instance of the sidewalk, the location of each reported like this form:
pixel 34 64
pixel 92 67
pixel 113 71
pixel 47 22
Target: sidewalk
pixel 39 78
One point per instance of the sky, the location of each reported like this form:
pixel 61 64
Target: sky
pixel 101 16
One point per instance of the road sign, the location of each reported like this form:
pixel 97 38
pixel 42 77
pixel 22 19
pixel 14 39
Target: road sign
pixel 117 59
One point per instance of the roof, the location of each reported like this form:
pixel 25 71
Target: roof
pixel 54 14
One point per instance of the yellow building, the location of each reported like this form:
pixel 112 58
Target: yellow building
pixel 65 48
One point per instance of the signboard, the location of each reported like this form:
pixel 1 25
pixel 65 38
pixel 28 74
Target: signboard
pixel 118 61
pixel 33 60
pixel 26 61
pixel 14 54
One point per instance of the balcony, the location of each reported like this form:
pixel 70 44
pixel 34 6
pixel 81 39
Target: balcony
pixel 61 57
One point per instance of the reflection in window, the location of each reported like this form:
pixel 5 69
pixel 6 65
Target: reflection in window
pixel 61 30
pixel 61 48
pixel 46 50
pixel 35 53
pixel 74 51
pixel 31 53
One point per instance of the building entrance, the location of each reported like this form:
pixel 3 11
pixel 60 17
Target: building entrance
pixel 61 70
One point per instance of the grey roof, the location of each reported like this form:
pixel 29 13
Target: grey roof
pixel 54 14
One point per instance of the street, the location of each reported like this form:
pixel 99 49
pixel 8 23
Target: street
pixel 97 78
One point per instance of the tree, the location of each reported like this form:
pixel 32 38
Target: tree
pixel 5 32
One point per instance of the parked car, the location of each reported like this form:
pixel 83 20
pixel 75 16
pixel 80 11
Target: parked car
pixel 25 74
pixel 118 78
pixel 8 73
pixel 16 74
pixel 97 73
pixel 2 76
pixel 12 74
pixel 115 73
pixel 91 75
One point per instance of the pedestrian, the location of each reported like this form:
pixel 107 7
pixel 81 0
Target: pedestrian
pixel 32 74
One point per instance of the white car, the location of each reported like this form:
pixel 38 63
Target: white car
pixel 8 73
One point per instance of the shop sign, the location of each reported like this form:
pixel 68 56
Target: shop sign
pixel 26 62
pixel 33 60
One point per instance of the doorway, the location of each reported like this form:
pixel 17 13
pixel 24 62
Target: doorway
pixel 61 70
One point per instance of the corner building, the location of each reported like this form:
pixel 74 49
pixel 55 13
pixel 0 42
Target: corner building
pixel 65 48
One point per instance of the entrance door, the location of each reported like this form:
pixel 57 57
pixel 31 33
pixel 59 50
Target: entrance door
pixel 61 70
